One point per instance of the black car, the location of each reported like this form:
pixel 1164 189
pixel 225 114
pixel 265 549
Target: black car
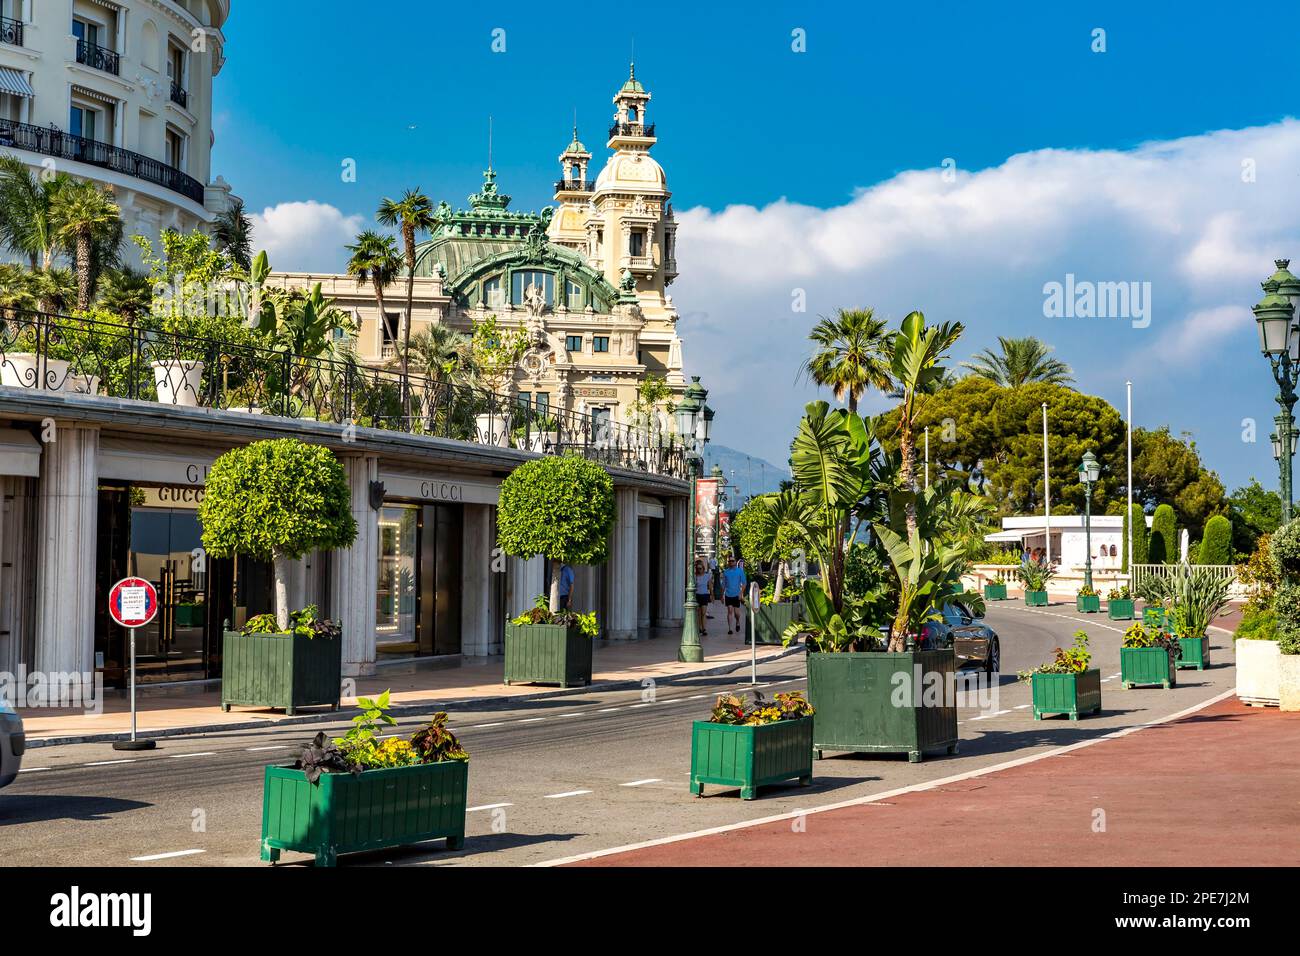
pixel 976 643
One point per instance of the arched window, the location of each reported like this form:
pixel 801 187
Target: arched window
pixel 632 115
pixel 520 281
pixel 492 292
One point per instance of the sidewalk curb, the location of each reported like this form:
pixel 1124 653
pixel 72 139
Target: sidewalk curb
pixel 398 710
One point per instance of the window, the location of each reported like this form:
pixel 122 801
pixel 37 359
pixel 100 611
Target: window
pixel 83 121
pixel 492 296
pixel 573 343
pixel 600 343
pixel 521 281
pixel 542 402
pixel 176 65
pixel 86 31
pixel 174 147
pixel 632 114
pixel 574 293
pixel 395 600
pixel 600 424
pixel 636 243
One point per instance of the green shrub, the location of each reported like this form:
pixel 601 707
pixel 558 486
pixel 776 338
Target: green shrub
pixel 1289 643
pixel 1216 543
pixel 1257 625
pixel 1136 517
pixel 1260 571
pixel 1163 546
pixel 1286 605
pixel 1284 548
pixel 561 508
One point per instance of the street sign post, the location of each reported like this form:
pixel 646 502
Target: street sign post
pixel 132 603
pixel 755 599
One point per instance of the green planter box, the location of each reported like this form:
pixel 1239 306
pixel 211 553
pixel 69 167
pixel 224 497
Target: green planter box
pixel 771 620
pixel 1196 652
pixel 1146 665
pixel 751 757
pixel 342 813
pixel 1086 604
pixel 995 592
pixel 280 670
pixel 1072 694
pixel 854 708
pixel 1036 599
pixel 1119 610
pixel 547 654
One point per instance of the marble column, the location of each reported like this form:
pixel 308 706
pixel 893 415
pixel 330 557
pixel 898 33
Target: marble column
pixel 354 572
pixel 479 634
pixel 644 576
pixel 524 581
pixel 67 527
pixel 623 579
pixel 672 563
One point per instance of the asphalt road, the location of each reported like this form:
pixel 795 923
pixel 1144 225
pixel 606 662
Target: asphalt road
pixel 548 779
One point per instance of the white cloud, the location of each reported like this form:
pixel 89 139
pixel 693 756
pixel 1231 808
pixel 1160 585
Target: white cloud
pixel 305 236
pixel 1177 214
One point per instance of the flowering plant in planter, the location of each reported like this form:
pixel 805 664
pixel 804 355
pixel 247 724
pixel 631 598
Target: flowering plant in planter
pixel 362 749
pixel 1072 660
pixel 1086 591
pixel 541 613
pixel 1139 635
pixel 731 709
pixel 302 623
pixel 1119 594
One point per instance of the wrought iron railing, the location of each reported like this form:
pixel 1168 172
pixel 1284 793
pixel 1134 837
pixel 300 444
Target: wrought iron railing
pixel 11 31
pixel 54 142
pixel 179 95
pixel 631 129
pixel 97 57
pixel 60 353
pixel 574 185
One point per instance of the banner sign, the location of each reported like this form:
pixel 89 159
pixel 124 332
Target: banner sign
pixel 706 518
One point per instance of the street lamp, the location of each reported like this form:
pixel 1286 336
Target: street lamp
pixel 1089 472
pixel 694 423
pixel 1279 340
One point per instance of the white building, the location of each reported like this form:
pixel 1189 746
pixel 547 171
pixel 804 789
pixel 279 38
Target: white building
pixel 1069 548
pixel 120 92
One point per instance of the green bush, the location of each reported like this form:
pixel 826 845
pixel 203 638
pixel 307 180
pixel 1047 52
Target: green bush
pixel 1137 518
pixel 1257 625
pixel 1284 548
pixel 1216 543
pixel 276 501
pixel 1286 605
pixel 1289 643
pixel 1163 547
pixel 561 508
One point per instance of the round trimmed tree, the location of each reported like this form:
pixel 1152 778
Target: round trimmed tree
pixel 560 508
pixel 1216 542
pixel 276 501
pixel 1162 547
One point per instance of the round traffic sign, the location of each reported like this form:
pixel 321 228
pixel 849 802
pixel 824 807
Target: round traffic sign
pixel 133 602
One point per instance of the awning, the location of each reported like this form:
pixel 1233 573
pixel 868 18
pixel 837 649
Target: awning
pixel 1018 534
pixel 20 454
pixel 15 83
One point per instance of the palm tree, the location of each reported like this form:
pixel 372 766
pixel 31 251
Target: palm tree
pixel 852 355
pixel 87 223
pixel 413 214
pixel 26 226
pixel 1020 361
pixel 442 354
pixel 127 293
pixel 375 259
pixel 17 290
pixel 55 289
pixel 233 234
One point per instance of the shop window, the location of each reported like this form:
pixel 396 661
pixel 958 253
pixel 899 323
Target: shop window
pixel 395 600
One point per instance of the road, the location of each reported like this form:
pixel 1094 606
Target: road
pixel 549 779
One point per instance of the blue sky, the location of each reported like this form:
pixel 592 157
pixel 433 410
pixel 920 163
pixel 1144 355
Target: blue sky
pixel 817 170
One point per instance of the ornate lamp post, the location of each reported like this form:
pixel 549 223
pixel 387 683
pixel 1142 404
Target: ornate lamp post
pixel 1089 472
pixel 1279 340
pixel 694 423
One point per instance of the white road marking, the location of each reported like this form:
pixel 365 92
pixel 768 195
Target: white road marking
pixel 531 720
pixel 166 856
pixel 560 796
pixel 1023 706
pixel 482 726
pixel 641 783
pixel 646 704
pixel 489 806
pixel 697 697
pixel 105 763
pixel 889 794
pixel 608 710
pixel 32 769
pixel 568 715
pixel 201 753
pixel 272 747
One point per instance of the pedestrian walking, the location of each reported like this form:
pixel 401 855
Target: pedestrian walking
pixel 733 586
pixel 566 586
pixel 702 581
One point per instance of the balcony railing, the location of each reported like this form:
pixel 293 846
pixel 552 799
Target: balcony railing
pixel 98 57
pixel 53 142
pixel 63 354
pixel 574 185
pixel 11 31
pixel 631 129
pixel 179 96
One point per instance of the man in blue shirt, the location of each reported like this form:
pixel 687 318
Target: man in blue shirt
pixel 566 586
pixel 733 586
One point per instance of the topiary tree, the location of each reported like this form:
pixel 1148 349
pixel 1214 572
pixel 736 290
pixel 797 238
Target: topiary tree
pixel 276 501
pixel 1284 551
pixel 1163 546
pixel 1135 517
pixel 1216 544
pixel 561 508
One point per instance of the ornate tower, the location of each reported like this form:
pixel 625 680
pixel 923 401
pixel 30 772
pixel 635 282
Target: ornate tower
pixel 573 197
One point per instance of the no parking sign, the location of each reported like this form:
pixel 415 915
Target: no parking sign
pixel 133 602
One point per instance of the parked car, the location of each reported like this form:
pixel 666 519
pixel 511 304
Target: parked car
pixel 976 643
pixel 12 743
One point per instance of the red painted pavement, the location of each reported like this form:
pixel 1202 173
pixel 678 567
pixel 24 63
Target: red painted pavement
pixel 1220 787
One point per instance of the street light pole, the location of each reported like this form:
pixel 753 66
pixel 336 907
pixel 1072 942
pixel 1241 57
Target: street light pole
pixel 1280 343
pixel 1089 472
pixel 693 427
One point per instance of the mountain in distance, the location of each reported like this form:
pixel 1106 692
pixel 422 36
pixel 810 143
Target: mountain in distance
pixel 747 475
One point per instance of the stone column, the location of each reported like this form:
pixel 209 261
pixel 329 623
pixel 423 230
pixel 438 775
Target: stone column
pixel 524 581
pixel 623 570
pixel 672 563
pixel 67 526
pixel 354 572
pixel 477 608
pixel 643 576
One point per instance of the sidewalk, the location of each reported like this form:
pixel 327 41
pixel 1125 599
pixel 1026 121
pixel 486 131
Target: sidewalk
pixel 1215 788
pixel 414 690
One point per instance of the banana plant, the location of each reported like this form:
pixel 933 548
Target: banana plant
pixel 928 572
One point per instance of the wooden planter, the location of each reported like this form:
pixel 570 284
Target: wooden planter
pixel 547 654
pixel 343 813
pixel 771 620
pixel 1088 603
pixel 1036 599
pixel 1119 610
pixel 1072 694
pixel 1196 652
pixel 995 592
pixel 751 757
pixel 280 670
pixel 854 705
pixel 1147 665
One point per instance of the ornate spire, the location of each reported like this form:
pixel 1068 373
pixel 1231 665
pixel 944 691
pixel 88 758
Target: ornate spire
pixel 487 197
